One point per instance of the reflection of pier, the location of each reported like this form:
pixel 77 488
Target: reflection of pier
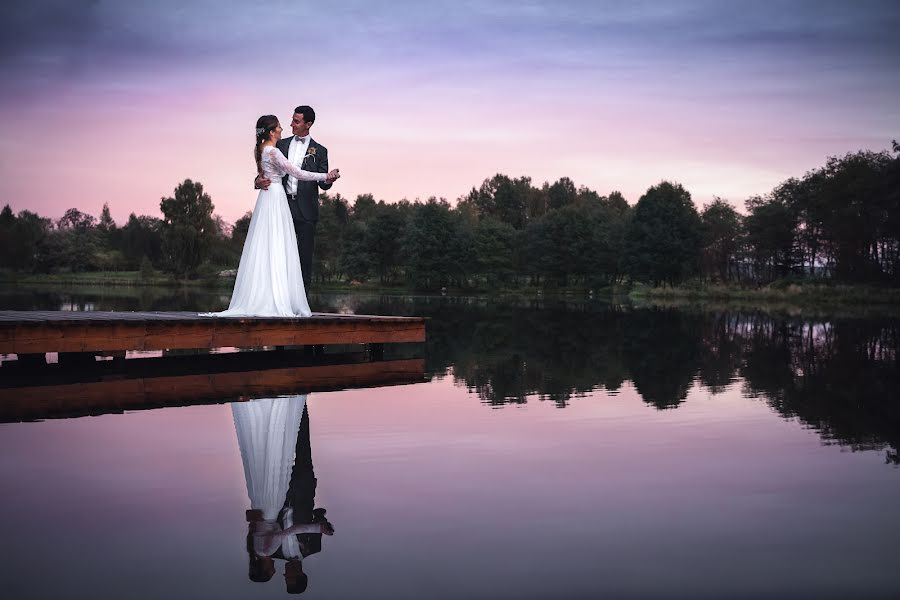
pixel 38 332
pixel 32 392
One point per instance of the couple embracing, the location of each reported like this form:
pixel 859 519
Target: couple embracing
pixel 276 264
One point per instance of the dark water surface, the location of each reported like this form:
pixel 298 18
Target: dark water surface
pixel 557 450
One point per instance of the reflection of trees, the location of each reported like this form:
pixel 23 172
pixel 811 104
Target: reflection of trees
pixel 838 377
pixel 662 351
pixel 506 352
pixel 721 349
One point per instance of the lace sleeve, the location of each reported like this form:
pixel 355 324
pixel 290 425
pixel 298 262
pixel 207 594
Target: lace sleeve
pixel 287 166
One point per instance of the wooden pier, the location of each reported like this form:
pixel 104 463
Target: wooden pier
pixel 113 333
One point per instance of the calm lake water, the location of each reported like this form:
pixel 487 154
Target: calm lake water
pixel 556 450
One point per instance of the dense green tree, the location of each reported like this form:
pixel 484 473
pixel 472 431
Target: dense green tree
pixel 538 252
pixel 109 256
pixel 334 217
pixel 503 199
pixel 575 244
pixel 239 231
pixel 7 219
pixel 494 251
pixel 356 262
pixel 662 240
pixel 21 239
pixel 561 193
pixel 853 206
pixel 221 251
pixel 8 260
pixel 890 236
pixel 106 224
pixel 432 244
pixel 383 240
pixel 142 237
pixel 609 222
pixel 721 235
pixel 188 227
pixel 74 219
pixel 76 244
pixel 616 203
pixel 771 235
pixel 536 203
pixel 364 207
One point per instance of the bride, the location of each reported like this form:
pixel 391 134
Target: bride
pixel 269 279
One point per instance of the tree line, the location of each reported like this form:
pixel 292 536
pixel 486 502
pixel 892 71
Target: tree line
pixel 839 222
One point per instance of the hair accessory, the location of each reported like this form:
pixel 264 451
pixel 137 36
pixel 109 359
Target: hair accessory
pixel 260 130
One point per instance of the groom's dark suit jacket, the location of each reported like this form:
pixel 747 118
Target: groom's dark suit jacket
pixel 308 191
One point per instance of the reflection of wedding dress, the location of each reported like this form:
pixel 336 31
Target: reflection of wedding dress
pixel 267 435
pixel 269 280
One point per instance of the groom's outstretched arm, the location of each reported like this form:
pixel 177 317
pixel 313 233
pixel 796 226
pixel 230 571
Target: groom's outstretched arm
pixel 323 168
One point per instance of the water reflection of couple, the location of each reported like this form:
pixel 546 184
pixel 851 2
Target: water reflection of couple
pixel 283 523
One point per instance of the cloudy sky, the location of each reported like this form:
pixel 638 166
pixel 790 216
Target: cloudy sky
pixel 118 101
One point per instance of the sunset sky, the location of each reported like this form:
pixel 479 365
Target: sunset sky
pixel 119 101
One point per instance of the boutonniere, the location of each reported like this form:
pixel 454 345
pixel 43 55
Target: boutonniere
pixel 311 151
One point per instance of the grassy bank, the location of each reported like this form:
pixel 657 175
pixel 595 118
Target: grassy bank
pixel 788 293
pixel 802 294
pixel 113 278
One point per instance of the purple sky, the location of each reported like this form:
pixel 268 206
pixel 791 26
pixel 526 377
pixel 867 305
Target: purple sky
pixel 415 99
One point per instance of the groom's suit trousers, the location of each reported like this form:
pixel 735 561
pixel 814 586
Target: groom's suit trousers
pixel 306 238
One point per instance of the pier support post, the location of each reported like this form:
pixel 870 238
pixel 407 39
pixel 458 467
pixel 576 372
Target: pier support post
pixel 76 359
pixel 376 351
pixel 28 360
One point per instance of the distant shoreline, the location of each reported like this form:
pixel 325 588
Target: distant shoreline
pixel 800 293
pixel 810 294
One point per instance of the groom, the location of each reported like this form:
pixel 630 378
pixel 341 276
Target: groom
pixel 303 196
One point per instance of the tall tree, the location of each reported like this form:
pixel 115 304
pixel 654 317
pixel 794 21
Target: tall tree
pixel 334 217
pixel 383 240
pixel 503 199
pixel 239 231
pixel 432 245
pixel 494 251
pixel 106 223
pixel 721 239
pixel 854 205
pixel 22 239
pixel 188 227
pixel 662 240
pixel 561 193
pixel 771 236
pixel 77 242
pixel 142 238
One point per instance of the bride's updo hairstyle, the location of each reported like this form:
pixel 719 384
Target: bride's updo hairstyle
pixel 265 125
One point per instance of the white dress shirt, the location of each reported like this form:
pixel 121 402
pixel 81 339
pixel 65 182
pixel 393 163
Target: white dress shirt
pixel 296 154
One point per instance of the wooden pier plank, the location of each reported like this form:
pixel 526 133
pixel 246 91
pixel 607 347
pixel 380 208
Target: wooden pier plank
pixel 32 332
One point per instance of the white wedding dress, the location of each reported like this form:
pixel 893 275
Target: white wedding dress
pixel 269 280
pixel 267 436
